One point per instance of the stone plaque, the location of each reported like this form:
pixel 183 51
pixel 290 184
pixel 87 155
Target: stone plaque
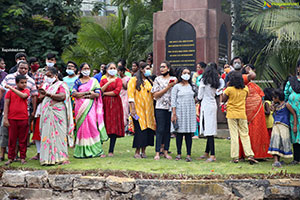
pixel 181 45
pixel 223 45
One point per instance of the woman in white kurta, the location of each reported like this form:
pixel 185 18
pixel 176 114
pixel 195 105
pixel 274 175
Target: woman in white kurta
pixel 208 115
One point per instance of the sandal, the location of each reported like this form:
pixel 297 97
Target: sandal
pixel 143 155
pixel 211 160
pixel 102 156
pixel 252 160
pixel 178 157
pixel 23 162
pixel 156 157
pixel 188 159
pixel 202 157
pixel 168 157
pixel 8 162
pixel 110 155
pixel 36 157
pixel 65 162
pixel 235 160
pixel 137 156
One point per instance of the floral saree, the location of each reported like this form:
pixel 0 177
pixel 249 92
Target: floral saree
pixel 56 126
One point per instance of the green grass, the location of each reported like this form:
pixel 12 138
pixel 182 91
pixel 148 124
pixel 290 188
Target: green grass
pixel 123 160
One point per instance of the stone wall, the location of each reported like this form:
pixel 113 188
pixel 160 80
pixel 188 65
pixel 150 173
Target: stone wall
pixel 41 185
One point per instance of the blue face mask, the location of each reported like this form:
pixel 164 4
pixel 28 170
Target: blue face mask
pixel 147 72
pixel 70 72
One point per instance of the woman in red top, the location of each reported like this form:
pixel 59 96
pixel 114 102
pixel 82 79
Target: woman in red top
pixel 112 104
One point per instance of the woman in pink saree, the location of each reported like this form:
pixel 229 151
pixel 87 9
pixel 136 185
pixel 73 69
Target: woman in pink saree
pixel 91 131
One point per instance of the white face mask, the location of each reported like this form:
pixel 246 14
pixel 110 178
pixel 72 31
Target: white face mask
pixel 112 72
pixel 186 77
pixel 49 64
pixel 237 66
pixel 49 80
pixel 86 72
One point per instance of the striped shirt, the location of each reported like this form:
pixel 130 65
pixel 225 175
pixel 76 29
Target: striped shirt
pixel 10 80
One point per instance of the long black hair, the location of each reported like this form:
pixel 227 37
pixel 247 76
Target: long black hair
pixel 236 80
pixel 211 76
pixel 139 76
pixel 122 69
pixel 81 66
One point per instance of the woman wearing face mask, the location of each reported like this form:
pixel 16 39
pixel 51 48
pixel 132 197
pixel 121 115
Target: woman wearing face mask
pixel 123 93
pixel 142 110
pixel 112 104
pixel 71 71
pixel 90 128
pixel 161 90
pixel 56 120
pixel 184 112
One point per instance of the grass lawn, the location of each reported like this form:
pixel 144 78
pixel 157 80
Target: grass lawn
pixel 123 160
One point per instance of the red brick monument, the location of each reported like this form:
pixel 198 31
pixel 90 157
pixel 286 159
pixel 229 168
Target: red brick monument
pixel 190 31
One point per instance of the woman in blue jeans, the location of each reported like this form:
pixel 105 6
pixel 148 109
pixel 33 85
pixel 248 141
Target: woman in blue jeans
pixel 161 90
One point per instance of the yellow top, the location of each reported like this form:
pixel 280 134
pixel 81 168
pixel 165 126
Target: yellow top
pixel 236 106
pixel 103 77
pixel 269 118
pixel 143 101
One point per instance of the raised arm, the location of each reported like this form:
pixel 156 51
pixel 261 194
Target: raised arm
pixel 159 93
pixel 105 85
pixel 17 92
pixel 116 91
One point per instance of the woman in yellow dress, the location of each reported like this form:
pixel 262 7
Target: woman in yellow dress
pixel 142 110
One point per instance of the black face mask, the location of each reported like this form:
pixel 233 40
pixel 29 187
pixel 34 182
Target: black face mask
pixel 165 74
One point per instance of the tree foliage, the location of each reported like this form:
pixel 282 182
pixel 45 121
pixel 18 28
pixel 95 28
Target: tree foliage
pixel 127 35
pixel 278 58
pixel 38 26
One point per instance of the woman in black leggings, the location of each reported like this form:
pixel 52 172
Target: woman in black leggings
pixel 209 85
pixel 184 112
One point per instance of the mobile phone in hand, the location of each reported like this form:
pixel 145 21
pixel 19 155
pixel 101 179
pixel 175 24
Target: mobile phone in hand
pixel 171 81
pixel 136 117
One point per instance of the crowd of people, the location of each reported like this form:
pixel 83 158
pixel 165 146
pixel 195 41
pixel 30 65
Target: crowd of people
pixel 86 108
